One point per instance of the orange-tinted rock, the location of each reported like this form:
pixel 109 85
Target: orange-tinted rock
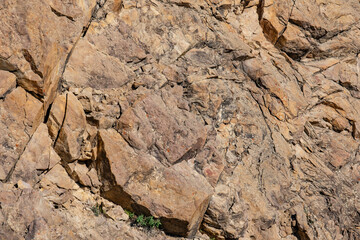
pixel 138 182
pixel 38 157
pixel 40 43
pixel 257 99
pixel 7 82
pixel 66 125
pixel 19 113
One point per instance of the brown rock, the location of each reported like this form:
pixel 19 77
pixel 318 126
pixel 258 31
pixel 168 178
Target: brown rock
pixel 257 99
pixel 2 173
pixel 109 50
pixel 138 182
pixel 19 114
pixel 85 72
pixel 7 82
pixel 163 125
pixel 80 171
pixel 66 125
pixel 25 107
pixel 58 176
pixel 209 162
pixel 92 174
pixel 38 157
pixel 37 46
pixel 296 26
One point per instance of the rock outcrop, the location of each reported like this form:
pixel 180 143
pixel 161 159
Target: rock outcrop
pixel 220 119
pixel 178 195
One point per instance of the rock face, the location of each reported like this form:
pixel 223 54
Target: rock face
pixel 38 157
pixel 162 124
pixel 19 113
pixel 221 119
pixel 7 82
pixel 36 47
pixel 67 124
pixel 177 195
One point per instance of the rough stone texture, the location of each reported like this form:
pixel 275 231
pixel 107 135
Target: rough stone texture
pixel 31 214
pixel 252 106
pixel 67 125
pixel 138 182
pixel 35 46
pixel 19 112
pixel 162 124
pixel 39 156
pixel 7 82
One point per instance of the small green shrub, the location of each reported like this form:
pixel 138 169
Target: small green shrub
pixel 149 221
pixel 131 214
pixel 98 209
pixel 143 221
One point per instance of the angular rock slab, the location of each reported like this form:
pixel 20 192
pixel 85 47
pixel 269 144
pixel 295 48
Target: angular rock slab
pixel 178 195
pixel 19 113
pixel 161 123
pixel 37 157
pixel 96 69
pixel 101 59
pixel 308 23
pixel 67 123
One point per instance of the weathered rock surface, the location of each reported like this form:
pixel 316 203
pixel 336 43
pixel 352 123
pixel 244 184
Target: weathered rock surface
pixel 36 47
pixel 19 113
pixel 177 195
pixel 57 213
pixel 39 156
pixel 162 124
pixel 240 118
pixel 67 123
pixel 7 82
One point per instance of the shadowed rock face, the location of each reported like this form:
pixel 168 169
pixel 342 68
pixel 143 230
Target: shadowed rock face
pixel 236 118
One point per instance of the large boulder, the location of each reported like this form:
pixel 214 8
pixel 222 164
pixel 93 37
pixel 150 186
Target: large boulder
pixel 138 182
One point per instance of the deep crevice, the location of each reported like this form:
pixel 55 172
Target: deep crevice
pixel 260 9
pixel 286 24
pixel 59 14
pixel 298 232
pixel 47 114
pixel 8 176
pixel 93 15
pixel 31 61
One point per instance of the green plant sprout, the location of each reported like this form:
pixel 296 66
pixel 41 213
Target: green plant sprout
pixel 144 221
